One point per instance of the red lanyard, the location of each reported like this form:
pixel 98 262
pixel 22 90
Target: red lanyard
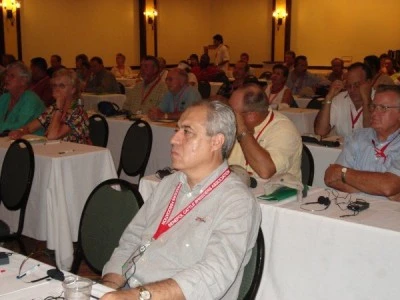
pixel 354 120
pixel 166 223
pixel 380 153
pixel 262 130
pixel 144 97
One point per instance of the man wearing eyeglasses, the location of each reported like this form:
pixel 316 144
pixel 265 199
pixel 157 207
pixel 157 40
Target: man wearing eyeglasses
pixel 370 161
pixel 346 105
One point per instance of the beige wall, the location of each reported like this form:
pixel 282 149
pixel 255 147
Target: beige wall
pixel 344 28
pixel 186 26
pixel 67 28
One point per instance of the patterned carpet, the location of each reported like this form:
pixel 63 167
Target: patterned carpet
pixel 46 255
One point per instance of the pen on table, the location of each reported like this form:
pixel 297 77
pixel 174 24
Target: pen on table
pixel 28 272
pixel 66 151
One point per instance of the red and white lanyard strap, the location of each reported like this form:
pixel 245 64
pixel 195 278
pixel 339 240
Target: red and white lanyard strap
pixel 262 130
pixel 167 223
pixel 354 120
pixel 144 97
pixel 380 153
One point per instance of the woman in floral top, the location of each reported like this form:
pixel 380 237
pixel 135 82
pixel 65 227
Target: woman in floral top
pixel 65 119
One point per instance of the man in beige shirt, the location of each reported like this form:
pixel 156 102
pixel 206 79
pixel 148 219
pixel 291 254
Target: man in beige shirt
pixel 149 92
pixel 268 143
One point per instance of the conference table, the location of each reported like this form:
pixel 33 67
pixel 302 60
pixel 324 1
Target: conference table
pixel 90 100
pixel 65 175
pixel 303 118
pixel 321 255
pixel 12 288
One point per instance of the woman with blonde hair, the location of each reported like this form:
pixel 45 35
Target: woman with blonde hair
pixel 65 119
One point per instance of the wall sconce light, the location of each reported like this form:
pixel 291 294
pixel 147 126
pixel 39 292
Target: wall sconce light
pixel 10 8
pixel 279 15
pixel 150 16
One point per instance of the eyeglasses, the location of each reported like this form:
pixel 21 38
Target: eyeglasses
pixel 60 85
pixel 380 107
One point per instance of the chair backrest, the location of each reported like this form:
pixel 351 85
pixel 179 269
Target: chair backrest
pixel 121 87
pixel 204 89
pixel 307 166
pixel 314 104
pixel 98 130
pixel 108 210
pixel 16 178
pixel 253 270
pixel 266 75
pixel 136 149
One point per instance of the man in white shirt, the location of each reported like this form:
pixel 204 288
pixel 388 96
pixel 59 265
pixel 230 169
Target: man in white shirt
pixel 222 53
pixel 346 110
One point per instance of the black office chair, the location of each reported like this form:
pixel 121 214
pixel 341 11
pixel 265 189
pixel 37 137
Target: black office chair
pixel 98 130
pixel 15 186
pixel 136 149
pixel 121 87
pixel 204 89
pixel 108 210
pixel 265 75
pixel 307 166
pixel 253 270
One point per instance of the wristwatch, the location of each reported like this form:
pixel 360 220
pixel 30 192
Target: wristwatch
pixel 344 171
pixel 143 293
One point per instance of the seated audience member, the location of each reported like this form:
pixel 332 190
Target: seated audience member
pixel 19 105
pixel 179 96
pixel 382 59
pixel 240 72
pixel 290 56
pixel 80 59
pixel 268 143
pixel 338 71
pixel 246 57
pixel 388 68
pixel 203 255
pixel 370 161
pixel 299 78
pixel 102 80
pixel 378 77
pixel 193 61
pixel 85 73
pixel 163 70
pixel 205 71
pixel 41 84
pixel 192 79
pixel 55 63
pixel 149 92
pixel 346 110
pixel 120 70
pixel 65 119
pixel 278 92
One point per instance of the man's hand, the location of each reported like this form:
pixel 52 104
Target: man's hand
pixel 15 134
pixel 333 173
pixel 365 91
pixel 336 87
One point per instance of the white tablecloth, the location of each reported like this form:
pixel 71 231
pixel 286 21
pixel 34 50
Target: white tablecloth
pixel 160 156
pixel 302 118
pixel 323 157
pixel 90 100
pixel 13 289
pixel 215 87
pixel 323 256
pixel 61 186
